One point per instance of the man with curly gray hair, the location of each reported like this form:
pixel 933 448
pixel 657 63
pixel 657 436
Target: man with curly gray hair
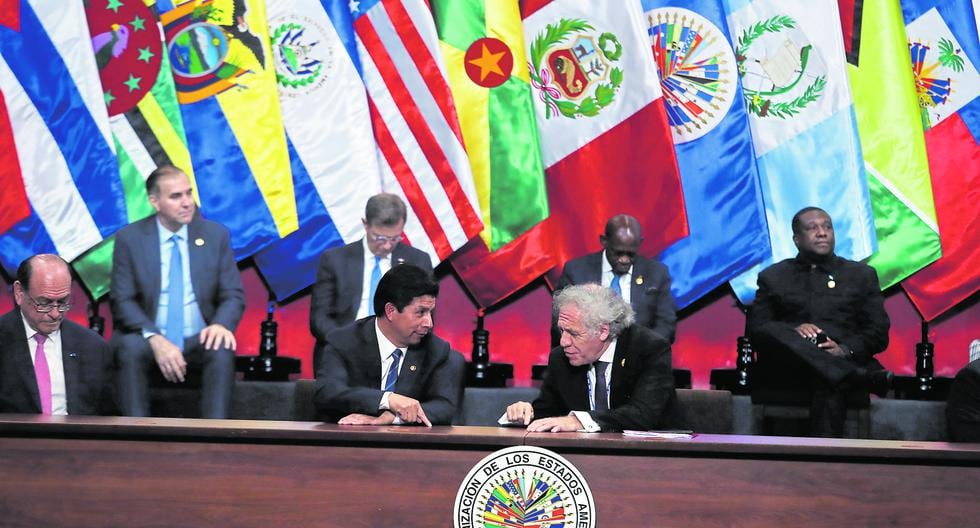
pixel 608 374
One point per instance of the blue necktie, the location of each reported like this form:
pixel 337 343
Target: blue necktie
pixel 601 395
pixel 614 284
pixel 375 277
pixel 175 296
pixel 393 371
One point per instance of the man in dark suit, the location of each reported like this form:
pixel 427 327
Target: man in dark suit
pixel 643 282
pixel 390 368
pixel 176 296
pixel 963 404
pixel 347 276
pixel 608 374
pixel 817 322
pixel 48 364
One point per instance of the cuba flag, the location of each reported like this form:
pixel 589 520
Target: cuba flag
pixel 710 125
pixel 59 126
pixel 328 129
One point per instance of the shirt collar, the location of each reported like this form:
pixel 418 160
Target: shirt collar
pixel 385 347
pixel 610 352
pixel 368 256
pixel 165 233
pixel 31 332
pixel 830 265
pixel 607 267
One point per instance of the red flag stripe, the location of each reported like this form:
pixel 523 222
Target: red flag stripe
pixel 410 186
pixel 10 14
pixel 14 205
pixel 424 61
pixel 413 116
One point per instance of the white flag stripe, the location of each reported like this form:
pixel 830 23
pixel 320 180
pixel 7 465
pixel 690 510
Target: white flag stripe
pixel 131 143
pixel 561 136
pixel 422 20
pixel 334 141
pixel 419 165
pixel 448 142
pixel 47 180
pixel 65 24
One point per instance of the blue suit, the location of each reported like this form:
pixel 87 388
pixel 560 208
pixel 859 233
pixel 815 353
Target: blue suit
pixel 135 296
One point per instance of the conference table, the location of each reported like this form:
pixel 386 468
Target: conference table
pixel 115 471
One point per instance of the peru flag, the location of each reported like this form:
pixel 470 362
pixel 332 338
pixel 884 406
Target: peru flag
pixel 605 140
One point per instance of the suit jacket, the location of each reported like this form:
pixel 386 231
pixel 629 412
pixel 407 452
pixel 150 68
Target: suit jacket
pixel 348 378
pixel 86 357
pixel 649 293
pixel 136 278
pixel 340 284
pixel 641 384
pixel 963 405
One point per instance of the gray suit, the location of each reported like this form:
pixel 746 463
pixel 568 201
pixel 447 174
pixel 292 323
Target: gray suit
pixel 86 358
pixel 135 295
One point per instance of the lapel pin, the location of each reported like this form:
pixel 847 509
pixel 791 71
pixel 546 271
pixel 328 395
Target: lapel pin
pixel 639 279
pixel 198 242
pixel 413 368
pixel 830 282
pixel 622 363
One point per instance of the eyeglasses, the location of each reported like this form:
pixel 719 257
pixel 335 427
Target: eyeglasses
pixel 62 306
pixel 382 239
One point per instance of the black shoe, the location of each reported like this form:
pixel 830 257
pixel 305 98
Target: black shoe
pixel 880 382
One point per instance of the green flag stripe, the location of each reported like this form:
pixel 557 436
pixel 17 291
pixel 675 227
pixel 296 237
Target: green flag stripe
pixel 516 169
pixel 460 22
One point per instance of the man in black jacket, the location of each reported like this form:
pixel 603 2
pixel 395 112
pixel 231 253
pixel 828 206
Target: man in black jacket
pixel 817 321
pixel 608 374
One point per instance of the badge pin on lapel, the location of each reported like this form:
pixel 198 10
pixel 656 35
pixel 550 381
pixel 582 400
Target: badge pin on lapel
pixel 413 368
pixel 198 242
pixel 639 279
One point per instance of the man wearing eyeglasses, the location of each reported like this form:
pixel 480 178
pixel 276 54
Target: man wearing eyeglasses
pixel 48 364
pixel 347 276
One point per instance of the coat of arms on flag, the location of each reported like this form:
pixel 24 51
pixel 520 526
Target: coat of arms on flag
pixel 697 70
pixel 301 54
pixel 945 79
pixel 573 69
pixel 781 73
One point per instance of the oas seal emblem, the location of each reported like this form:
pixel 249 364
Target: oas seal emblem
pixel 573 68
pixel 781 71
pixel 301 53
pixel 524 486
pixel 697 70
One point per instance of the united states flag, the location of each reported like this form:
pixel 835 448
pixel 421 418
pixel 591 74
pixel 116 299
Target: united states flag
pixel 419 140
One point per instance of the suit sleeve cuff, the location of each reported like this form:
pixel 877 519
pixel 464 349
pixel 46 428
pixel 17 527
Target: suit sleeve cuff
pixel 383 406
pixel 588 424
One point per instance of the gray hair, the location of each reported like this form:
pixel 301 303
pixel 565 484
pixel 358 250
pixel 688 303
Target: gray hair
pixel 598 305
pixel 385 209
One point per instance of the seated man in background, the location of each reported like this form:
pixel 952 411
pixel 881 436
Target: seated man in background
pixel 817 321
pixel 176 296
pixel 48 364
pixel 609 374
pixel 963 404
pixel 348 276
pixel 644 283
pixel 390 368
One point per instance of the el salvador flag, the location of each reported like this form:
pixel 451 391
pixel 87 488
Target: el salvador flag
pixel 328 129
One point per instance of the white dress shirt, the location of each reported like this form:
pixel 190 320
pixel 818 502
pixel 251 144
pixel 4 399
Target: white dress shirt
pixel 625 280
pixel 56 366
pixel 193 320
pixel 366 300
pixel 588 424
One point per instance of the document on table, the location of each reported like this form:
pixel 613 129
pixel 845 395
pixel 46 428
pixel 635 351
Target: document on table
pixel 665 435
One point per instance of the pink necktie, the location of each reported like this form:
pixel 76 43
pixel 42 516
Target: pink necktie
pixel 42 374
